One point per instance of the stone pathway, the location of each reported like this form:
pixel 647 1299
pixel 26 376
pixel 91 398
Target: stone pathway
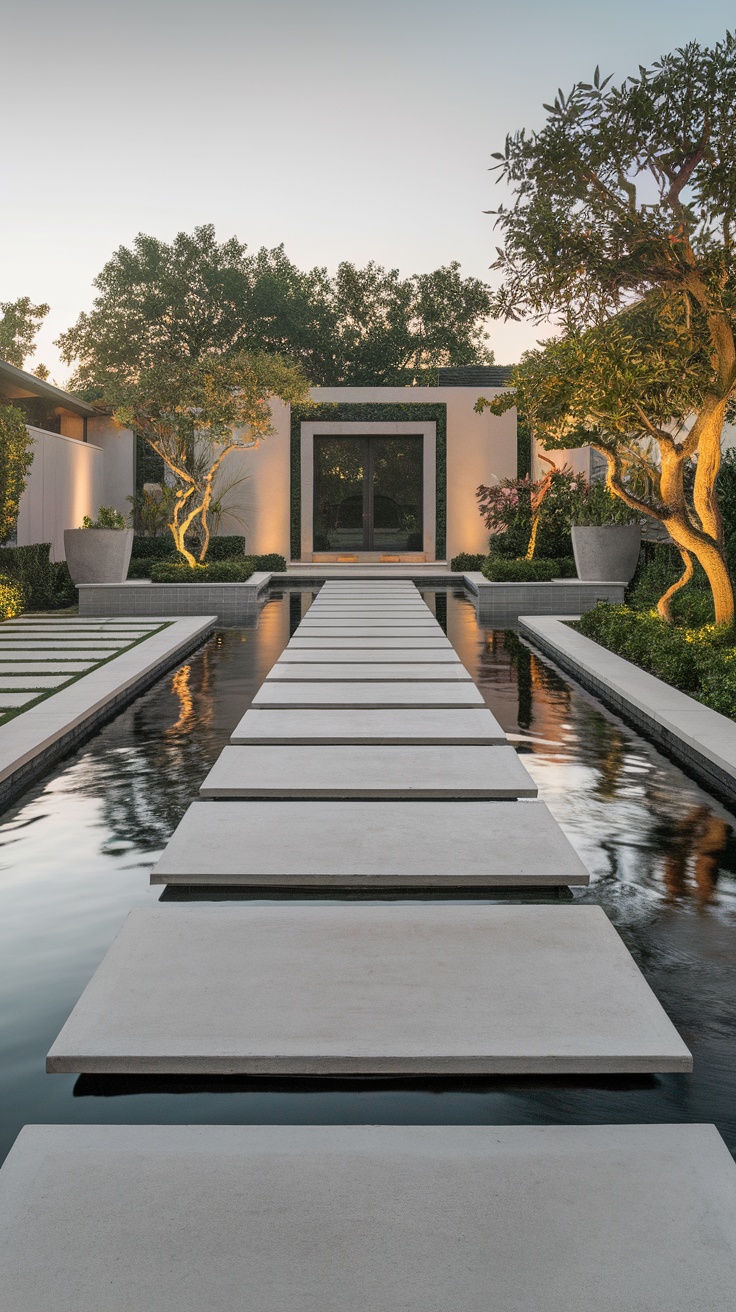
pixel 365 778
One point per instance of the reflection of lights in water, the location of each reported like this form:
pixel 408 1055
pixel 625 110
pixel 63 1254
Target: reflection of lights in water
pixel 180 686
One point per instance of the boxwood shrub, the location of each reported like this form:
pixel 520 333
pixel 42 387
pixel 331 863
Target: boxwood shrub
pixel 700 661
pixel 12 597
pixel 47 584
pixel 465 562
pixel 500 570
pixel 220 571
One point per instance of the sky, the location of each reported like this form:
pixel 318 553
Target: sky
pixel 347 131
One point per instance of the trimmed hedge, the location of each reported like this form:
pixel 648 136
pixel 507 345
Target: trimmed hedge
pixel 47 584
pixel 162 548
pixel 12 597
pixel 144 568
pixel 700 662
pixel 501 570
pixel 221 571
pixel 465 562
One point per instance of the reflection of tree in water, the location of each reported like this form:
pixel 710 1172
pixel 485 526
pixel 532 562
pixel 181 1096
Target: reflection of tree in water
pixel 147 782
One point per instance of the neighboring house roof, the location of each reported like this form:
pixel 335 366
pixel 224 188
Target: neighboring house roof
pixel 16 383
pixel 474 375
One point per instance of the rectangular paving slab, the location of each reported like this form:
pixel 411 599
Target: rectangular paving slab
pixel 382 621
pixel 10 652
pixel 365 771
pixel 368 988
pixel 330 671
pixel 48 666
pixel 430 630
pixel 438 643
pixel 346 1218
pixel 369 845
pixel 369 726
pixel 285 693
pixel 12 701
pixel 9 682
pixel 374 656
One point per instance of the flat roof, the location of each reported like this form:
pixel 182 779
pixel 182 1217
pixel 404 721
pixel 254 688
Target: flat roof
pixel 28 385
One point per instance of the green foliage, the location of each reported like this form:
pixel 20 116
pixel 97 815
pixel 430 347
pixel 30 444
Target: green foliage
pixel 501 570
pixel 465 562
pixel 16 459
pixel 272 563
pixel 107 517
pixel 18 327
pixel 221 571
pixel 197 298
pixel 620 231
pixel 593 504
pixel 13 597
pixel 659 567
pixel 153 548
pixel 47 585
pixel 727 502
pixel 226 547
pixel 507 513
pixel 699 661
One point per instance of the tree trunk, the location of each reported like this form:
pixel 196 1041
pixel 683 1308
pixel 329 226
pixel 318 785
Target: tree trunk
pixel 664 606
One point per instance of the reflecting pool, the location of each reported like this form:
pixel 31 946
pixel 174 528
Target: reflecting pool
pixel 76 851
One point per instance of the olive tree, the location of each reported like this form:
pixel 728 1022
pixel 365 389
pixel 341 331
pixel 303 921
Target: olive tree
pixel 621 232
pixel 214 406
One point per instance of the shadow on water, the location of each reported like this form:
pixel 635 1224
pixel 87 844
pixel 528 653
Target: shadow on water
pixel 77 849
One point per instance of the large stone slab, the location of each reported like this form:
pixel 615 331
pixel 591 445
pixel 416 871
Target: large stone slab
pixel 12 701
pixel 355 771
pixel 553 1218
pixel 10 652
pixel 286 694
pixel 425 726
pixel 430 630
pixel 437 643
pixel 293 655
pixel 383 620
pixel 331 671
pixel 367 845
pixel 368 988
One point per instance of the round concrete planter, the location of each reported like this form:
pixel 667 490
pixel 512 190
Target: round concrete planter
pixel 98 555
pixel 606 551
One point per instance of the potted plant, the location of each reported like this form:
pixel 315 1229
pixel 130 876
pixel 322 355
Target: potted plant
pixel 606 536
pixel 99 551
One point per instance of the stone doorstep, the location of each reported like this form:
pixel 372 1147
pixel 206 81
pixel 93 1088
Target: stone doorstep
pixel 386 671
pixel 287 694
pixel 361 844
pixel 368 988
pixel 369 1218
pixel 423 726
pixel 355 771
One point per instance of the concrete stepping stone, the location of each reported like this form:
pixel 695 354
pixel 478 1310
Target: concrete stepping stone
pixel 382 620
pixel 286 694
pixel 9 682
pixel 46 666
pixel 332 671
pixel 346 1218
pixel 344 631
pixel 355 771
pixel 11 701
pixel 425 726
pixel 368 988
pixel 369 845
pixel 438 643
pixel 346 655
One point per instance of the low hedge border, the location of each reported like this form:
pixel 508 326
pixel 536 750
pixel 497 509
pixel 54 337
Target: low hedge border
pixel 700 662
pixel 498 569
pixel 149 568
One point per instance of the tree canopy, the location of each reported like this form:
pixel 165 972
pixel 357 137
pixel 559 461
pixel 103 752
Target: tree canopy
pixel 621 232
pixel 197 297
pixel 19 324
pixel 16 458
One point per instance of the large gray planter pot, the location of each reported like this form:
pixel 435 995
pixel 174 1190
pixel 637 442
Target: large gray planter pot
pixel 606 552
pixel 98 555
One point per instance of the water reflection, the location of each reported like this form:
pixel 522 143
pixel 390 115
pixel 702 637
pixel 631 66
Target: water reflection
pixel 76 851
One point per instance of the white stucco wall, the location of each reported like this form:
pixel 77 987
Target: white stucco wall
pixel 479 447
pixel 65 484
pixel 118 446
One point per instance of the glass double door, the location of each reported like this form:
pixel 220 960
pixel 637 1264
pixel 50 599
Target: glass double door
pixel 368 493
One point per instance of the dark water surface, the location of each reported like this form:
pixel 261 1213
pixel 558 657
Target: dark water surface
pixel 76 852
